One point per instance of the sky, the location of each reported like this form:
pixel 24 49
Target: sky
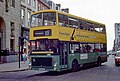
pixel 103 11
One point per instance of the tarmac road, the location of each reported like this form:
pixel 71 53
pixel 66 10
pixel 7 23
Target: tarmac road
pixel 107 72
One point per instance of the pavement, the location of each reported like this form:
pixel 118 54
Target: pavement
pixel 14 66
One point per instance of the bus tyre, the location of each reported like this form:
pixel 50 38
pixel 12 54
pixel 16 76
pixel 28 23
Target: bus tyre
pixel 75 66
pixel 116 64
pixel 99 62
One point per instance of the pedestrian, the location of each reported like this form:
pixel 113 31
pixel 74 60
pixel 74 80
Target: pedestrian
pixel 24 55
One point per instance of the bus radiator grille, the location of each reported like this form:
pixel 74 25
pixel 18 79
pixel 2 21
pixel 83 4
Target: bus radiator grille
pixel 41 62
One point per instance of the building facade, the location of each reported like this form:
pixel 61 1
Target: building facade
pixel 26 9
pixel 117 37
pixel 9 28
pixel 54 6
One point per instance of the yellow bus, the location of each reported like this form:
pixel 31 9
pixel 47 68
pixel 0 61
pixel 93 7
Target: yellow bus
pixel 61 41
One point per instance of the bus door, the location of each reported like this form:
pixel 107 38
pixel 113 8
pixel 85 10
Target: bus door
pixel 63 54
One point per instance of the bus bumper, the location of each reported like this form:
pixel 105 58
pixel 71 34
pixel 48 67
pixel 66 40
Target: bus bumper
pixel 45 68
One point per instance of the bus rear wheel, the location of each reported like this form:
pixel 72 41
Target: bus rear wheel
pixel 75 66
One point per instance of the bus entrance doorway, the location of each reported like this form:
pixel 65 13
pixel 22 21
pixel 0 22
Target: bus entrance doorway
pixel 63 54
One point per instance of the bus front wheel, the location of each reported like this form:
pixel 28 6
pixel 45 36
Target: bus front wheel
pixel 75 66
pixel 116 64
pixel 99 62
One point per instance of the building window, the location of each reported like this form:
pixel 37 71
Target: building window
pixel 1 0
pixel 11 44
pixel 118 24
pixel 12 41
pixel 12 3
pixel 39 6
pixel 6 6
pixel 12 24
pixel 29 2
pixel 22 16
pixel 23 0
pixel 28 18
pixel 43 8
pixel 34 3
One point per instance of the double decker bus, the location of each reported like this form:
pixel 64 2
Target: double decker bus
pixel 61 41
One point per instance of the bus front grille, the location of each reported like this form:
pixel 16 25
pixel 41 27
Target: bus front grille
pixel 41 62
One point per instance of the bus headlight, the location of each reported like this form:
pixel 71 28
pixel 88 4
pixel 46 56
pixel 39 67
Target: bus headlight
pixel 55 64
pixel 34 60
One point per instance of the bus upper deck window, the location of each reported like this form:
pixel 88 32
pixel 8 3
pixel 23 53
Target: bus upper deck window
pixel 49 18
pixel 62 20
pixel 43 19
pixel 73 22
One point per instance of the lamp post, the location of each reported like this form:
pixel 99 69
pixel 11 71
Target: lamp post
pixel 19 49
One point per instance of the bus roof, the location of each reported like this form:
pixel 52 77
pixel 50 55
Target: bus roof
pixel 87 20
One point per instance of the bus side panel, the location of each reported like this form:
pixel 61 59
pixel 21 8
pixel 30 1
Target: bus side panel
pixel 87 58
pixel 84 58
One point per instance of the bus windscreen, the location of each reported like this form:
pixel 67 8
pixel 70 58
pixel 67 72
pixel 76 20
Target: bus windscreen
pixel 43 19
pixel 45 45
